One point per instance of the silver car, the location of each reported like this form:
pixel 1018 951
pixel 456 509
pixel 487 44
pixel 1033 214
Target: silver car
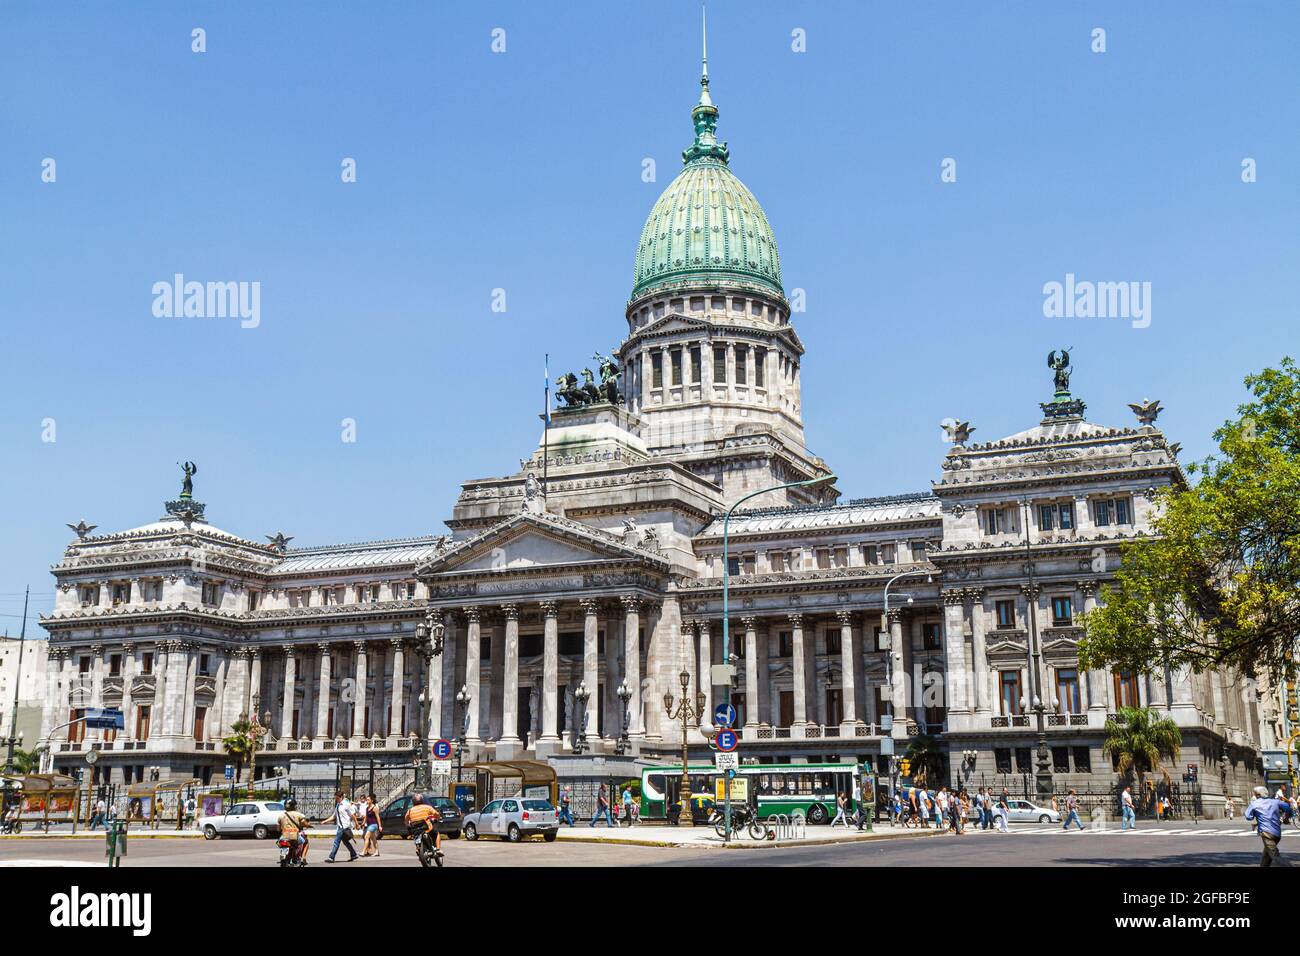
pixel 255 818
pixel 513 819
pixel 1022 811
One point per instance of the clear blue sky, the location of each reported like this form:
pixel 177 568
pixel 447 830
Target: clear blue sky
pixel 522 171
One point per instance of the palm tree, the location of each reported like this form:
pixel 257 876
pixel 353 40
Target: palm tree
pixel 1138 741
pixel 28 761
pixel 240 743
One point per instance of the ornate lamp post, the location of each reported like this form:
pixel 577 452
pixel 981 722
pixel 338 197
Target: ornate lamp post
pixel 463 699
pixel 428 644
pixel 581 695
pixel 686 712
pixel 256 730
pixel 624 742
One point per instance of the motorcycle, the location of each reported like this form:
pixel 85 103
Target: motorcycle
pixel 425 849
pixel 742 819
pixel 289 850
pixel 11 826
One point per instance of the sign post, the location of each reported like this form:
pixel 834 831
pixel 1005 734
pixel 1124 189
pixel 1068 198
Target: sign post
pixel 727 760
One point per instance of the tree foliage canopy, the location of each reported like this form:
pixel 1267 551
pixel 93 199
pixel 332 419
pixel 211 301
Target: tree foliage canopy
pixel 1220 584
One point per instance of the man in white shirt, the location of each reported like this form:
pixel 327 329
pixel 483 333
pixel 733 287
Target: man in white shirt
pixel 1129 816
pixel 343 818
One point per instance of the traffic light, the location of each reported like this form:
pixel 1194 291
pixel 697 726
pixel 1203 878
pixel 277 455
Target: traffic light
pixel 904 766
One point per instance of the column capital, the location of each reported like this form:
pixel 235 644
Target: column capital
pixel 1030 591
pixel 896 615
pixel 361 646
pixel 749 622
pixel 631 603
pixel 472 614
pixel 510 611
pixel 550 609
pixel 97 648
pixel 397 643
pixel 288 649
pixel 691 627
pixel 796 620
pixel 844 617
pixel 705 626
pixel 1088 587
pixel 954 597
pixel 590 607
pixel 974 595
pixel 324 648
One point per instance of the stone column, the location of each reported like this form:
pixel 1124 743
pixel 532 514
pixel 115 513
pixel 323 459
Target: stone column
pixel 473 641
pixel 510 745
pixel 359 727
pixel 613 706
pixel 900 655
pixel 979 651
pixel 704 682
pixel 496 684
pixel 590 662
pixel 752 699
pixel 800 673
pixel 323 694
pixel 849 720
pixel 290 675
pixel 1096 679
pixel 254 681
pixel 96 685
pixel 954 652
pixel 550 674
pixel 398 694
pixel 632 663
pixel 157 716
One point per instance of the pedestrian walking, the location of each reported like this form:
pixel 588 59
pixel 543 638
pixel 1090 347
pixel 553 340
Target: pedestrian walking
pixel 343 819
pixel 1003 809
pixel 566 807
pixel 602 808
pixel 1227 808
pixel 627 805
pixel 1268 813
pixel 98 819
pixel 842 806
pixel 1127 811
pixel 373 827
pixel 191 811
pixel 1072 811
pixel 936 812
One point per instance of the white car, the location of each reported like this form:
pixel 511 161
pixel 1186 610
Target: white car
pixel 256 818
pixel 1022 811
pixel 513 819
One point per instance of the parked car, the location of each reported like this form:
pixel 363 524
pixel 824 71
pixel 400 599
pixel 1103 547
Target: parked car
pixel 256 818
pixel 513 819
pixel 393 816
pixel 1022 811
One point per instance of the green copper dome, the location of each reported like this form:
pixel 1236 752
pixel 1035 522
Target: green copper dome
pixel 707 228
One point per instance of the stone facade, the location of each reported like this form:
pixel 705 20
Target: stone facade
pixel 599 563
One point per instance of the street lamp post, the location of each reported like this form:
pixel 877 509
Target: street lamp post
pixel 464 698
pixel 624 741
pixel 686 712
pixel 15 737
pixel 726 606
pixel 581 695
pixel 256 730
pixel 889 665
pixel 428 644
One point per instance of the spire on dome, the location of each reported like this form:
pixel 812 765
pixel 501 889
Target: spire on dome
pixel 705 114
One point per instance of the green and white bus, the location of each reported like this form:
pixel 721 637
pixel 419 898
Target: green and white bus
pixel 807 788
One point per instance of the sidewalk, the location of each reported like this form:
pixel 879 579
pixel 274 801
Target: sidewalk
pixel 704 836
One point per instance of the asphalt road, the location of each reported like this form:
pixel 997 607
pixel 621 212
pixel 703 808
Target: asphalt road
pixel 1207 845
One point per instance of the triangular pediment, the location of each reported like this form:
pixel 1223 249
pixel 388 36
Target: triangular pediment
pixel 529 541
pixel 674 322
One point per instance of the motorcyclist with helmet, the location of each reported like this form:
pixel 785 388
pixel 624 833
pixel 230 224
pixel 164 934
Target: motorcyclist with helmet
pixel 422 812
pixel 293 827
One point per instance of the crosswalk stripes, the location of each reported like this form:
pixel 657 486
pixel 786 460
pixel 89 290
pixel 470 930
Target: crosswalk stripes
pixel 1115 830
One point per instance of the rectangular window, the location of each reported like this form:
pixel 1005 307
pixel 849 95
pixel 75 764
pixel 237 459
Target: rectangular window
pixel 932 634
pixel 785 644
pixel 1046 517
pixel 1126 689
pixel 887 554
pixel 1067 690
pixel 1062 611
pixel 1082 760
pixel 115 665
pixel 918 551
pixel 833 645
pixel 760 376
pixel 675 366
pixel 142 722
pixel 742 365
pixel 204 660
pixel 719 365
pixel 200 718
pixel 749 565
pixel 210 594
pixel 1006 611
pixel 1024 760
pixel 146 662
pixel 1101 512
pixel 1002 760
pixel 870 555
pixel 823 559
pixel 733 565
pixel 1060 760
pixel 252 600
pixel 834 706
pixel 995 521
pixel 1010 684
pixel 695 365
pixel 1065 516
pixel 1123 513
pixel 656 370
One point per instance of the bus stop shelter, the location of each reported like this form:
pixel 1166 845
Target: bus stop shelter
pixel 527 778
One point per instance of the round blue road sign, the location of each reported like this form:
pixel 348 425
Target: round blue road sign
pixel 727 740
pixel 724 715
pixel 442 749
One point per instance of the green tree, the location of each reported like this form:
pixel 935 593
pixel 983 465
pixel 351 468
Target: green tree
pixel 1218 584
pixel 1138 741
pixel 239 745
pixel 926 757
pixel 28 761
